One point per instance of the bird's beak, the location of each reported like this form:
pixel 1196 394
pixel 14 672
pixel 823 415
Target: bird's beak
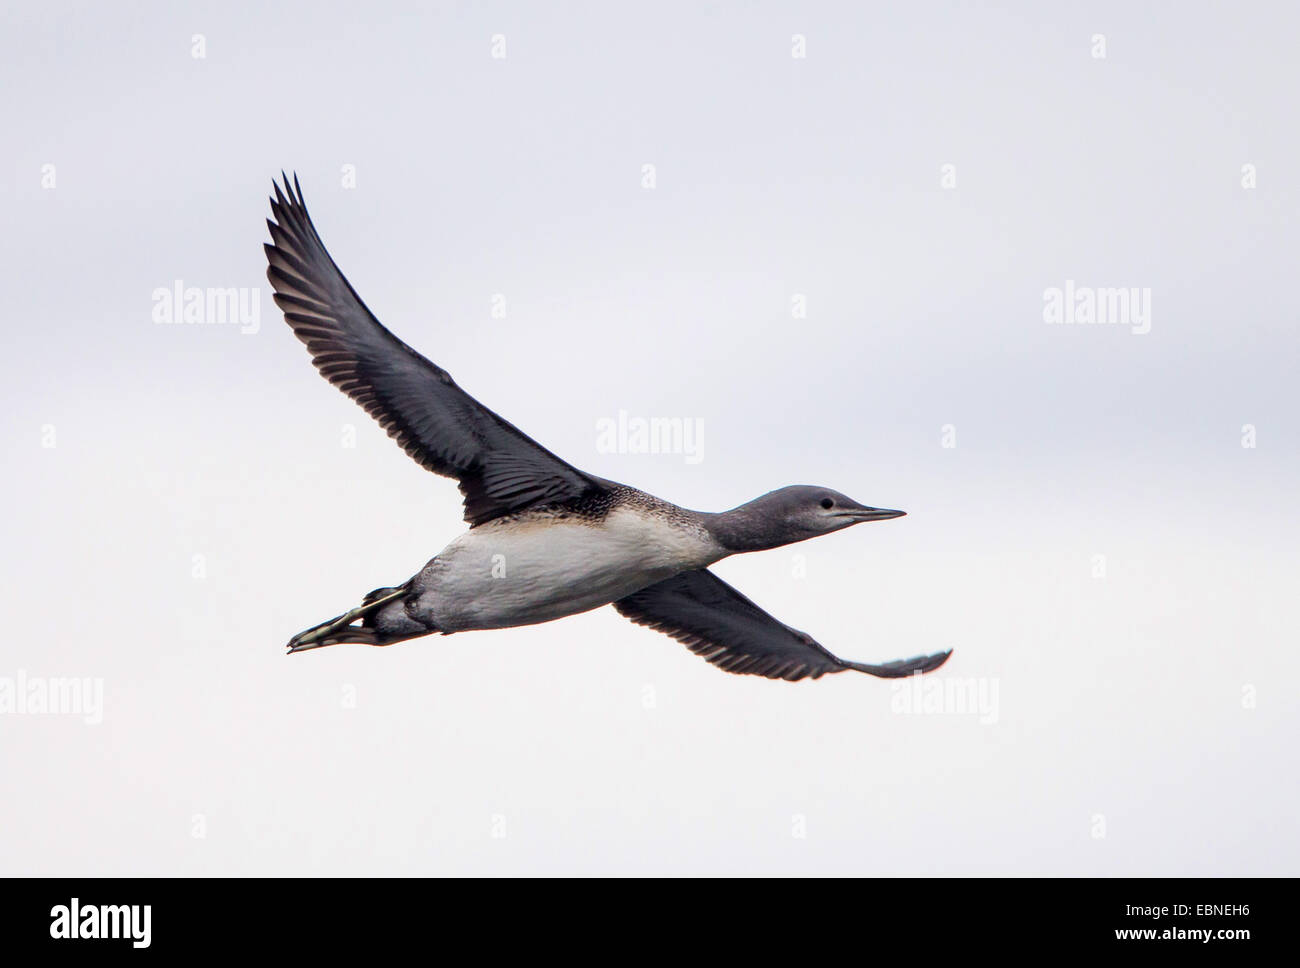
pixel 860 514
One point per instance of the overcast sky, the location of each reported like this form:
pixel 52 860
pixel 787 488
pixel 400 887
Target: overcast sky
pixel 828 235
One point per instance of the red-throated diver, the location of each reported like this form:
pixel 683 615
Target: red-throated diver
pixel 545 540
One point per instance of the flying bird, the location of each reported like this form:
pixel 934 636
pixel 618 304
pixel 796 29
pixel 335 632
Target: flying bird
pixel 545 539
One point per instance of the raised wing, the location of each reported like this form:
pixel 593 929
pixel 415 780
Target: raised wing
pixel 500 468
pixel 715 621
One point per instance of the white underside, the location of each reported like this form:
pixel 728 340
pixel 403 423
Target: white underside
pixel 520 573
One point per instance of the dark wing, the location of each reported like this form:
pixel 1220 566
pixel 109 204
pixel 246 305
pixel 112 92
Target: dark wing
pixel 500 469
pixel 714 620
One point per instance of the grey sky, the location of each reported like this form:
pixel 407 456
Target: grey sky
pixel 1160 698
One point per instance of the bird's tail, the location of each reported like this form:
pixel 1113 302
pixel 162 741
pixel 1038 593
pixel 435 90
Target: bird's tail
pixel 376 627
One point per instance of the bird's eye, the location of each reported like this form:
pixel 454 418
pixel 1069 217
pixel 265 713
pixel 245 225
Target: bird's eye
pixel 827 503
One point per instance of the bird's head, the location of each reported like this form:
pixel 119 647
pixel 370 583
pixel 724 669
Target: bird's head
pixel 791 514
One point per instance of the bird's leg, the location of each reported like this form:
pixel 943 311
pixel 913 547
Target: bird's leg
pixel 319 635
pixel 311 638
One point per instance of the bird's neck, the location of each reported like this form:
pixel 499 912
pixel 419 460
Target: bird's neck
pixel 742 529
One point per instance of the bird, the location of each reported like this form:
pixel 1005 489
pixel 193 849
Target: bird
pixel 545 540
